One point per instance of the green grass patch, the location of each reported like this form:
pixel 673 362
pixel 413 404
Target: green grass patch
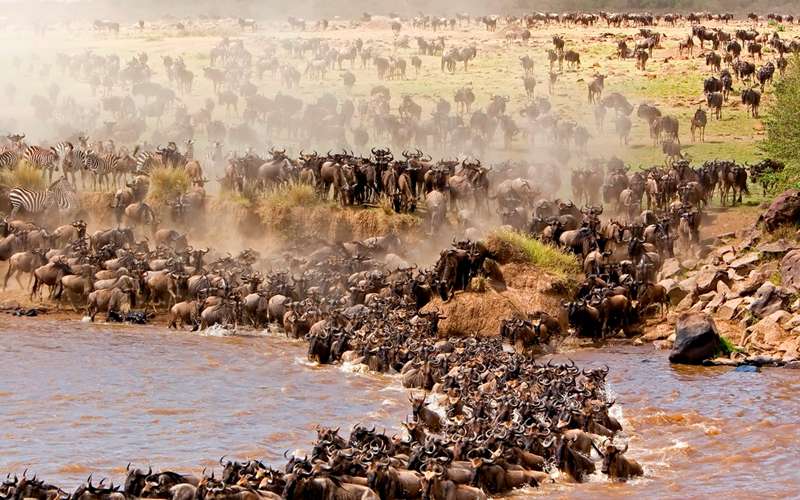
pixel 727 347
pixel 519 247
pixel 23 176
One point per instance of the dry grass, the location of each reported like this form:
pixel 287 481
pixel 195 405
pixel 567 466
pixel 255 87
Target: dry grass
pixel 23 176
pixel 295 211
pixel 166 184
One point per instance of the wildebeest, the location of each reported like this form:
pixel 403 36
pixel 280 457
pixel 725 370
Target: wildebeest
pixel 596 88
pixel 751 98
pixel 573 59
pixel 699 121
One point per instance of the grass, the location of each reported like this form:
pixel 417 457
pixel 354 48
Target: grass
pixel 546 257
pixel 167 183
pixel 288 196
pixel 295 211
pixel 727 347
pixel 23 176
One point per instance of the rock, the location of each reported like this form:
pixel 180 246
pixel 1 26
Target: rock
pixel 793 323
pixel 698 306
pixel 670 268
pixel 728 257
pixel 785 209
pixel 790 349
pixel 707 297
pixel 720 362
pixel 703 251
pixel 768 299
pixel 689 263
pixel 696 339
pixel 763 360
pixel 724 289
pixel 776 247
pixel 747 369
pixel 726 236
pixel 717 301
pixel 676 291
pixel 686 303
pixel 767 334
pixel 660 332
pixel 746 261
pixel 790 270
pixel 728 310
pixel 793 365
pixel 708 278
pixel 720 251
pixel 750 285
pixel 781 317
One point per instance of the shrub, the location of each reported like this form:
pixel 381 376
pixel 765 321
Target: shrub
pixel 782 123
pixel 520 247
pixel 23 176
pixel 167 183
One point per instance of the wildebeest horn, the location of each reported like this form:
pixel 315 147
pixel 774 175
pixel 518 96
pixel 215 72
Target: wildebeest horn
pixel 220 460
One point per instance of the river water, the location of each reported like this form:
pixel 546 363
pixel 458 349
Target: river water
pixel 78 398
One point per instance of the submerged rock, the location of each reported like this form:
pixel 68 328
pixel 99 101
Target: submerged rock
pixel 696 339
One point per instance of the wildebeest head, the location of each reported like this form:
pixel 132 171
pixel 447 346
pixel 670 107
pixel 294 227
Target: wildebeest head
pixel 135 480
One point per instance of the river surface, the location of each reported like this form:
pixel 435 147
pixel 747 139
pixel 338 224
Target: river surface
pixel 78 398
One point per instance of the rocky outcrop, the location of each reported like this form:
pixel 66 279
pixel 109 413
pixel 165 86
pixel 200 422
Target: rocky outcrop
pixel 784 210
pixel 790 270
pixel 696 339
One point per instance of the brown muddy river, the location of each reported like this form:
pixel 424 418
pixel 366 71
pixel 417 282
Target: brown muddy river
pixel 77 398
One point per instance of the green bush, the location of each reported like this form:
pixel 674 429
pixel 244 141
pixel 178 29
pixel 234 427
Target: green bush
pixel 782 123
pixel 547 257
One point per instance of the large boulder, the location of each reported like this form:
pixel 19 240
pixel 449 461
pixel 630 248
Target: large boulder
pixel 785 209
pixel 696 339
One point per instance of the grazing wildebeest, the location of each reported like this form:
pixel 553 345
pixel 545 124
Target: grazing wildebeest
pixel 751 98
pixel 699 121
pixel 573 59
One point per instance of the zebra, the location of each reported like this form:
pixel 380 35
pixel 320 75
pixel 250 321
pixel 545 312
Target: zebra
pixel 44 158
pixel 101 165
pixel 61 194
pixel 8 159
pixel 146 160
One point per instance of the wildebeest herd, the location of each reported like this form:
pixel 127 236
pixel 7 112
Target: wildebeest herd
pixel 490 419
pixel 143 101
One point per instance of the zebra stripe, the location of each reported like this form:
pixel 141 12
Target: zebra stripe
pixel 146 160
pixel 40 157
pixel 8 159
pixel 101 165
pixel 60 195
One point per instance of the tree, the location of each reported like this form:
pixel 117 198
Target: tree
pixel 782 124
